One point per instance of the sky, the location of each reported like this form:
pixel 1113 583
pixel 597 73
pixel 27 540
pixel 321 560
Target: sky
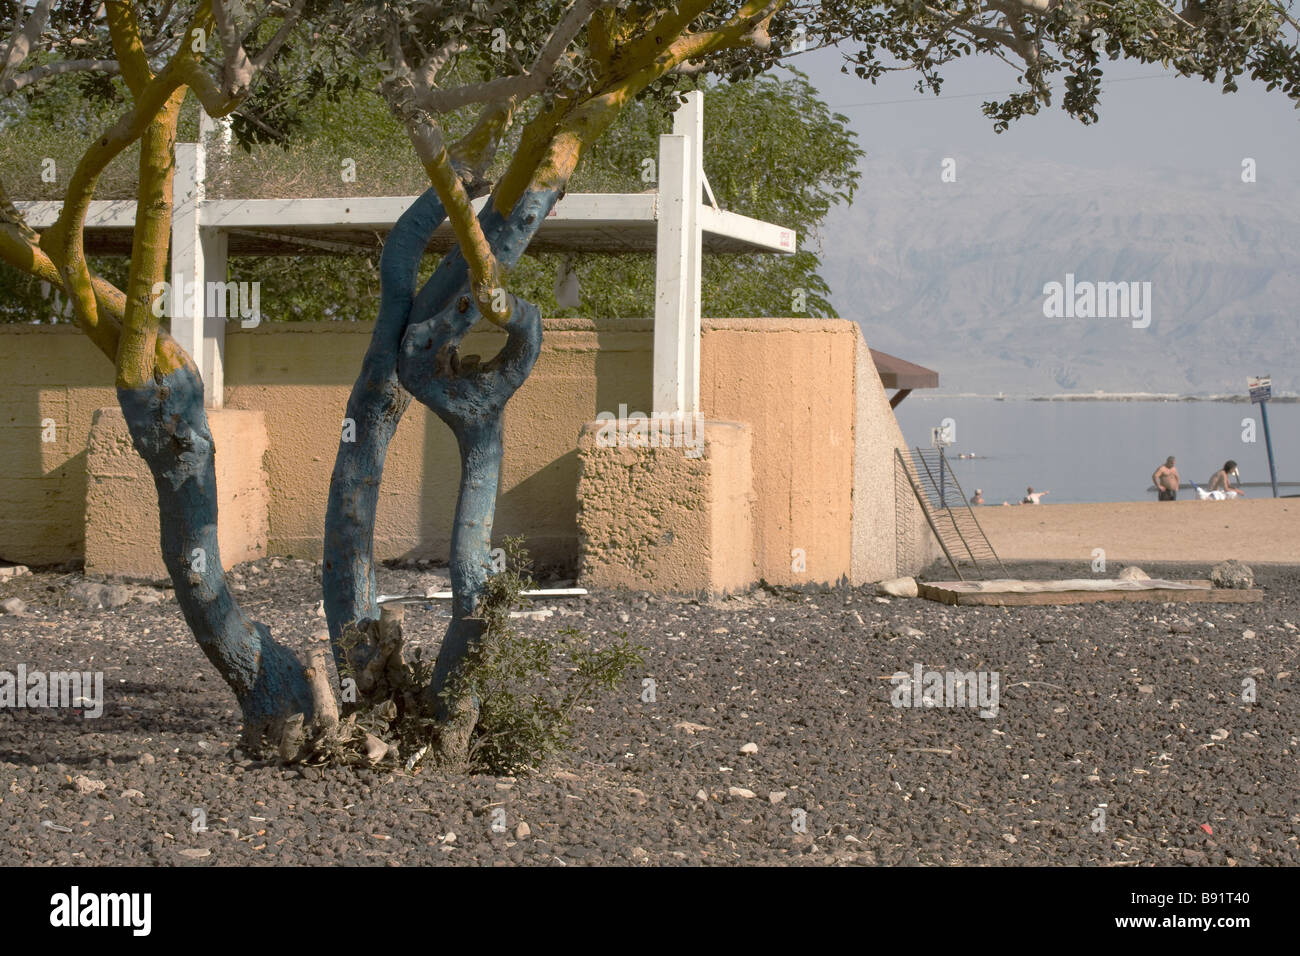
pixel 1149 119
pixel 1166 155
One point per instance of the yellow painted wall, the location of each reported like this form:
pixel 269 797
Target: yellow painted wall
pixel 46 373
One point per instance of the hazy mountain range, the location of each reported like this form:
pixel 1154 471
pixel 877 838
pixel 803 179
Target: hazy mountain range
pixel 951 275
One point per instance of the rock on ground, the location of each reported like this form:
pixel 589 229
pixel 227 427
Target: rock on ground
pixel 899 587
pixel 1232 574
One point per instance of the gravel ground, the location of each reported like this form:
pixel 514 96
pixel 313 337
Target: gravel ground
pixel 1137 707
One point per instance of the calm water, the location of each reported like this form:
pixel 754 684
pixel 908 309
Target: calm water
pixel 1103 451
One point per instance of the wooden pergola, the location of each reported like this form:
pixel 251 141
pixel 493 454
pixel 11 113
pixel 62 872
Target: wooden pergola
pixel 676 223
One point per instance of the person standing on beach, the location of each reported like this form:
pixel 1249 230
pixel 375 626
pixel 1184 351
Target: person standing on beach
pixel 979 498
pixel 1034 497
pixel 1166 481
pixel 1222 480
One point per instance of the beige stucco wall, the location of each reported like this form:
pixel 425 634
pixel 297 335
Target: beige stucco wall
pixel 794 386
pixel 122 531
pixel 791 380
pixel 891 537
pixel 666 517
pixel 46 373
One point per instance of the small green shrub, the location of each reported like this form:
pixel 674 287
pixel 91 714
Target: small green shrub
pixel 525 715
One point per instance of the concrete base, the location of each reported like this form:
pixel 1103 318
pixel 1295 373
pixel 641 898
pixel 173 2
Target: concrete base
pixel 653 518
pixel 122 532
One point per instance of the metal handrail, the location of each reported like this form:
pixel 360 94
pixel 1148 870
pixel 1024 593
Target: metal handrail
pixel 925 510
pixel 943 504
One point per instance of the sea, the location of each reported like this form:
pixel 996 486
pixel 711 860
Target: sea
pixel 1099 449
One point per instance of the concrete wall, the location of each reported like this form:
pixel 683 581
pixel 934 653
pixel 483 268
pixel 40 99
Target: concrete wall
pixel 47 374
pixel 885 508
pixel 122 530
pixel 806 388
pixel 656 518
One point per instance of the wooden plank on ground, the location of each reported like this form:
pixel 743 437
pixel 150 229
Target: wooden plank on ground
pixel 1014 593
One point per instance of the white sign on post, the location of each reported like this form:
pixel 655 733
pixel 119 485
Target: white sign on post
pixel 1261 388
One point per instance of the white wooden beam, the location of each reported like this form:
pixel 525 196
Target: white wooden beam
pixel 576 211
pixel 365 212
pixel 103 213
pixel 213 243
pixel 381 212
pixel 762 236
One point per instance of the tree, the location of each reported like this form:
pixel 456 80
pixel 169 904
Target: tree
pixel 537 83
pixel 773 151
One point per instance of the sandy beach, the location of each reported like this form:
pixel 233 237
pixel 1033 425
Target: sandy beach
pixel 1257 531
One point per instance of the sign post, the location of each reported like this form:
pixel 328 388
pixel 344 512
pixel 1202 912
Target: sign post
pixel 939 438
pixel 1261 390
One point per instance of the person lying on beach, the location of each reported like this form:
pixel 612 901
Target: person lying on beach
pixel 1222 480
pixel 1166 481
pixel 1034 497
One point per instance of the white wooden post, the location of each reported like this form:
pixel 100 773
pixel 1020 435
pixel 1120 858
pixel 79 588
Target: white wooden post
pixel 198 256
pixel 187 272
pixel 677 265
pixel 689 121
pixel 672 273
pixel 213 242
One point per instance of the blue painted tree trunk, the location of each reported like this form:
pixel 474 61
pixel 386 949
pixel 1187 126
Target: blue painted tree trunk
pixel 374 410
pixel 414 351
pixel 471 399
pixel 169 429
pixel 415 346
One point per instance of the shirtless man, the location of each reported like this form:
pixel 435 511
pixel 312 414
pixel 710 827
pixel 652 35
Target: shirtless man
pixel 1166 481
pixel 1034 497
pixel 1222 480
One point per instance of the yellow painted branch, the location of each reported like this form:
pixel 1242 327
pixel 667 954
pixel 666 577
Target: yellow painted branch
pixel 476 148
pixel 124 30
pixel 534 142
pixel 600 43
pixel 153 220
pixel 552 144
pixel 484 270
pixel 631 57
pixel 19 251
pixel 64 241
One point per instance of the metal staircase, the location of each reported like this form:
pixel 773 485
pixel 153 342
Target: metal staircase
pixel 948 513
